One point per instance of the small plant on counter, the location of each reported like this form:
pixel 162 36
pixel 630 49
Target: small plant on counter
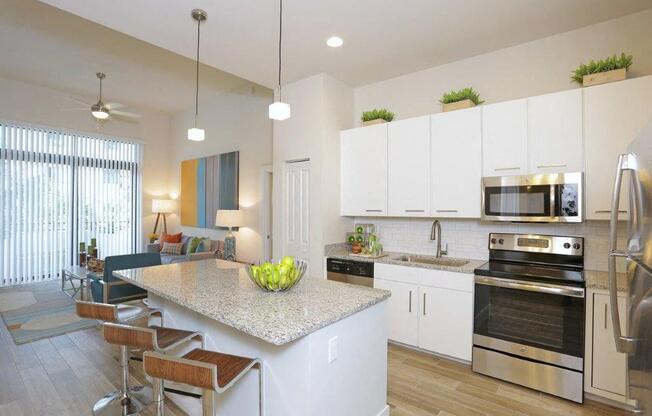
pixel 377 114
pixel 461 95
pixel 603 65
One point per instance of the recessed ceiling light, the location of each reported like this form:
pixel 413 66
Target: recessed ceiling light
pixel 334 42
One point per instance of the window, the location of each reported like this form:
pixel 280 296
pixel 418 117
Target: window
pixel 57 189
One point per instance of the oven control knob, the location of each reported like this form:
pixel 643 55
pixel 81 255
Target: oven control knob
pixel 576 246
pixel 493 241
pixel 567 245
pixel 501 241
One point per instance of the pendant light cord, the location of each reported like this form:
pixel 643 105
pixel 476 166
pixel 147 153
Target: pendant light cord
pixel 197 74
pixel 280 38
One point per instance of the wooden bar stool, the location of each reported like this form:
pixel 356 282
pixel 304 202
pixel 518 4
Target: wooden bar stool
pixel 120 313
pixel 211 371
pixel 153 338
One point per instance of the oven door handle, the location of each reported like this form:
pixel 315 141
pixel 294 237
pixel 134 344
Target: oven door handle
pixel 576 292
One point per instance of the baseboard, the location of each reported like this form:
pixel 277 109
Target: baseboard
pixel 384 412
pixel 605 400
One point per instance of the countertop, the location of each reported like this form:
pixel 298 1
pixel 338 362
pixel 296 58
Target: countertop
pixel 594 279
pixel 390 258
pixel 229 297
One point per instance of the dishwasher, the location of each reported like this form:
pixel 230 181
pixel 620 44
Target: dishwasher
pixel 350 271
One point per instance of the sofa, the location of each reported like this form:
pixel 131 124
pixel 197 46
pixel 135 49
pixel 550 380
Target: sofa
pixel 216 251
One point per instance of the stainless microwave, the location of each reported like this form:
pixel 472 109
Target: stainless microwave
pixel 549 197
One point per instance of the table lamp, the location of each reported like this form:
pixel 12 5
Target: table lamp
pixel 229 218
pixel 162 207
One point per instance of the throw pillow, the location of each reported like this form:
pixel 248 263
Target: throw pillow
pixel 204 245
pixel 171 238
pixel 171 248
pixel 194 245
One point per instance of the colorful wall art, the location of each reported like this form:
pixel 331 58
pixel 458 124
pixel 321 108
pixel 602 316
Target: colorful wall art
pixel 208 184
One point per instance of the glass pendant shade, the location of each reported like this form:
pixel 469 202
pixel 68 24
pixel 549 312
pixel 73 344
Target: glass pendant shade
pixel 195 134
pixel 279 111
pixel 100 114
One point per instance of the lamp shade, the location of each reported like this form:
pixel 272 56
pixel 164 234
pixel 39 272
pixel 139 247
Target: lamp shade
pixel 228 218
pixel 163 206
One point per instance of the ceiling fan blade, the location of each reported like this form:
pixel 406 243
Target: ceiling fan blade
pixel 113 106
pixel 125 114
pixel 79 100
pixel 76 109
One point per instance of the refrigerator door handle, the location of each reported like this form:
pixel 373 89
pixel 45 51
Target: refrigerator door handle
pixel 625 162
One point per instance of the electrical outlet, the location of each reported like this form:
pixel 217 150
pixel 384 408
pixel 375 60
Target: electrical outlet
pixel 332 349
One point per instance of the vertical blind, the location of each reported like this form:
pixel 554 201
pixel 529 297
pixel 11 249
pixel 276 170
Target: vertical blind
pixel 58 189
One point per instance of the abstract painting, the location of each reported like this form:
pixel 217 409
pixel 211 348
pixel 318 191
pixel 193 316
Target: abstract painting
pixel 208 184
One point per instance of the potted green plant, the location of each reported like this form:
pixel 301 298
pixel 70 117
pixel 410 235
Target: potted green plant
pixel 376 116
pixel 605 70
pixel 464 98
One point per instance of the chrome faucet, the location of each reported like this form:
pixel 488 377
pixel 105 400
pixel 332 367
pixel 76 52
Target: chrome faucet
pixel 435 234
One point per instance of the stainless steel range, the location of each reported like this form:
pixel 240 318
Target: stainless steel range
pixel 529 313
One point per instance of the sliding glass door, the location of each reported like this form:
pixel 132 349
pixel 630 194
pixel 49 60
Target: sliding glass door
pixel 58 189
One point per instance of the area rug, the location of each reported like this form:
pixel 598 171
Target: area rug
pixel 39 310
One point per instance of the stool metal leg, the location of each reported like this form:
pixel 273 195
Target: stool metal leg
pixel 127 400
pixel 261 390
pixel 208 403
pixel 159 398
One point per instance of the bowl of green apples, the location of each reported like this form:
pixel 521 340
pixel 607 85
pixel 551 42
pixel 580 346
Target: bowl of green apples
pixel 277 277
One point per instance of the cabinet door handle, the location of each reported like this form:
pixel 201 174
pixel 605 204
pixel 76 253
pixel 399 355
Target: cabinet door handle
pixel 410 306
pixel 373 210
pixel 446 210
pixel 605 316
pixel 608 211
pixel 424 304
pixel 551 166
pixel 414 210
pixel 514 168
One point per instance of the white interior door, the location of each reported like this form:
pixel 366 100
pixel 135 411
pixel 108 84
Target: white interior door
pixel 297 210
pixel 267 219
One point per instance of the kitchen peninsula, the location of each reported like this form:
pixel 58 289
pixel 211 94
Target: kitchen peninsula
pixel 323 343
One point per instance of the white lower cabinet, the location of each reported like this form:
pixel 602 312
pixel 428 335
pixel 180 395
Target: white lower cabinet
pixel 446 322
pixel 402 311
pixel 608 365
pixel 429 309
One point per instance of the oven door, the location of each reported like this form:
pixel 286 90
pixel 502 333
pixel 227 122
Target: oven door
pixel 539 321
pixel 533 198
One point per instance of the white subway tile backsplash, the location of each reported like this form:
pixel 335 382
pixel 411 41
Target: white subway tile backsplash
pixel 469 238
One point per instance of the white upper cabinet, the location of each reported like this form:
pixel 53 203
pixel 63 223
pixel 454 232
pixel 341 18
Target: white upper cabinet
pixel 555 132
pixel 364 171
pixel 456 160
pixel 613 115
pixel 504 138
pixel 408 163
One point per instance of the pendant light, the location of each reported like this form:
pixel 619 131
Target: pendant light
pixel 196 134
pixel 279 110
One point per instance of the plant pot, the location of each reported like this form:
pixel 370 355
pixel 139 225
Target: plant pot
pixel 372 122
pixel 458 105
pixel 604 77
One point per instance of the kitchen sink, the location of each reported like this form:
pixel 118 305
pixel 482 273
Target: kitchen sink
pixel 432 260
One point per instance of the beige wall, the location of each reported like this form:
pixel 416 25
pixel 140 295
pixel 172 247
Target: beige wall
pixel 321 107
pixel 33 104
pixel 233 121
pixel 528 69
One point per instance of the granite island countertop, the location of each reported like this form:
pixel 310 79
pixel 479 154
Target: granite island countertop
pixel 229 297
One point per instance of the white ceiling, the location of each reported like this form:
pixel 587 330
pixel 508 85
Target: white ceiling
pixel 43 45
pixel 382 38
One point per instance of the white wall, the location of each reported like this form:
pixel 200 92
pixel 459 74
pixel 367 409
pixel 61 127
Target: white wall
pixel 233 121
pixel 528 69
pixel 321 107
pixel 33 104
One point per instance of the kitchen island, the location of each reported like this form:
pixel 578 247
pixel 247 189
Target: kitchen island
pixel 323 343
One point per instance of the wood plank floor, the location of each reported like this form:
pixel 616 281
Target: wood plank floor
pixel 65 375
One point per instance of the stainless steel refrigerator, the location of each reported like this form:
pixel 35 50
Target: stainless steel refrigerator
pixel 635 172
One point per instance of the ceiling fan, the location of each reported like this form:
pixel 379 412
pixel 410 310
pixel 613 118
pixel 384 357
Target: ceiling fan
pixel 102 111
